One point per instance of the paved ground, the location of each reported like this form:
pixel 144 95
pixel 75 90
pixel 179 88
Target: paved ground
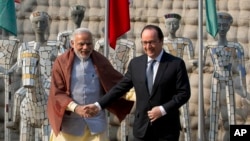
pixel 14 135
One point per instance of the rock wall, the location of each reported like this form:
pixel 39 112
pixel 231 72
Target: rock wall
pixel 144 12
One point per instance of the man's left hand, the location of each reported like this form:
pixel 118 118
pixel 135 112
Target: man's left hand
pixel 154 113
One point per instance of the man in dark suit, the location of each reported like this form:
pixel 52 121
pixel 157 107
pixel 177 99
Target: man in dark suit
pixel 157 110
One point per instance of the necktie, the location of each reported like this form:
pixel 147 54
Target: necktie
pixel 150 74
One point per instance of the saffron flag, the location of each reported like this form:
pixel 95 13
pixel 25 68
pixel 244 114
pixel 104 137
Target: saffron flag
pixel 119 20
pixel 211 17
pixel 8 16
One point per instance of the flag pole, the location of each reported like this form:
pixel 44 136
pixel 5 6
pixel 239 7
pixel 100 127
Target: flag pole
pixel 106 47
pixel 106 29
pixel 200 67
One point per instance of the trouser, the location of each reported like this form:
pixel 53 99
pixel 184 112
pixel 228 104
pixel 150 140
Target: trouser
pixel 151 135
pixel 87 136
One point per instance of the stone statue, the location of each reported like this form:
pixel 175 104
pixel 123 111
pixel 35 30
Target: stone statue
pixel 119 58
pixel 121 55
pixel 223 54
pixel 77 14
pixel 8 56
pixel 35 58
pixel 176 46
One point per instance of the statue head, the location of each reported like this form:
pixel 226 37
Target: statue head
pixel 39 21
pixel 224 22
pixel 77 14
pixel 172 22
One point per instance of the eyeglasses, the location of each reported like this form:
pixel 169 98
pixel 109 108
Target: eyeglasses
pixel 153 42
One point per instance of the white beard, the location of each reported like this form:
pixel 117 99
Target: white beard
pixel 78 54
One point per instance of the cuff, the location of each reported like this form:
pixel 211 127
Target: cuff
pixel 71 106
pixel 98 105
pixel 163 112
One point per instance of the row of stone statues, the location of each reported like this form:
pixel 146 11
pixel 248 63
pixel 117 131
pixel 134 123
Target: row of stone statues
pixel 35 58
pixel 223 55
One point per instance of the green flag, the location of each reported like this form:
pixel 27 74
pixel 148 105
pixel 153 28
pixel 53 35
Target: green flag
pixel 8 16
pixel 211 17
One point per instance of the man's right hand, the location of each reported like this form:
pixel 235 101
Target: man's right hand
pixel 91 110
pixel 81 110
pixel 87 111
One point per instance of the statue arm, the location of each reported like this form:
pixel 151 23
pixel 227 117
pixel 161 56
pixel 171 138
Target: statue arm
pixel 46 84
pixel 63 41
pixel 18 65
pixel 13 68
pixel 19 56
pixel 190 51
pixel 205 54
pixel 242 69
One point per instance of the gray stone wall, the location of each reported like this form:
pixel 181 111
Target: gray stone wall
pixel 144 12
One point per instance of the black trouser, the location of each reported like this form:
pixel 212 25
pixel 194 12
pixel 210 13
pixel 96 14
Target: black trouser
pixel 151 135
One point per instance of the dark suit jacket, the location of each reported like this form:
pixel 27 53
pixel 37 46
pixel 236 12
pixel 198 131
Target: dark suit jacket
pixel 171 90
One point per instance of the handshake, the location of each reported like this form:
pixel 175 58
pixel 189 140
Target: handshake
pixel 87 111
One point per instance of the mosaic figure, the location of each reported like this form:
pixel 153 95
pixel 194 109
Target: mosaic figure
pixel 223 53
pixel 77 14
pixel 119 58
pixel 176 46
pixel 121 55
pixel 8 51
pixel 35 58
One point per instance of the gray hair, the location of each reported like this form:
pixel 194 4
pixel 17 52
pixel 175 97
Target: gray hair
pixel 80 30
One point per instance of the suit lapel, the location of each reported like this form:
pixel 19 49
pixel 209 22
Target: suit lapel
pixel 141 73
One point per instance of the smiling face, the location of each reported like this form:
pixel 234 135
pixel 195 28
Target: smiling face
pixel 82 44
pixel 151 43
